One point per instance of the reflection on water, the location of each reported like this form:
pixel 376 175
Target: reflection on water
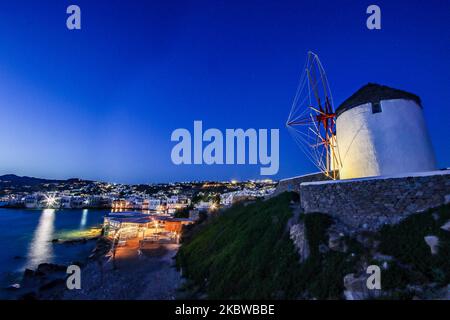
pixel 26 239
pixel 41 249
pixel 83 218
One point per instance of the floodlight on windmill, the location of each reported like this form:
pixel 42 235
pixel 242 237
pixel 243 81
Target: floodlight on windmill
pixel 312 120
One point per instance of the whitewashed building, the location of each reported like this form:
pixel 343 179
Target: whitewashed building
pixel 382 131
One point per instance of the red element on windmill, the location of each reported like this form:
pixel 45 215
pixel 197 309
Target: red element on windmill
pixel 312 120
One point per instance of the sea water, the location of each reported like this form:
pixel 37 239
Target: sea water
pixel 26 239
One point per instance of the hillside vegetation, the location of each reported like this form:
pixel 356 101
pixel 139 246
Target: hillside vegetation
pixel 245 253
pixel 414 262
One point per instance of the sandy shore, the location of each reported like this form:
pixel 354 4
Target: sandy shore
pixel 148 274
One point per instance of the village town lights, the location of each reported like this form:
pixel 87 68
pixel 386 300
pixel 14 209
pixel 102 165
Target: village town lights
pixel 50 200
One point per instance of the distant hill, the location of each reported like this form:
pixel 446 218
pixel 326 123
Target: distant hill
pixel 17 181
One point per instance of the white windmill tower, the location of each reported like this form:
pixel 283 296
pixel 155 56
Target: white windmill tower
pixel 381 132
pixel 378 131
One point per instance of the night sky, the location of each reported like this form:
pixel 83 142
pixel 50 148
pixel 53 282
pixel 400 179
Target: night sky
pixel 101 102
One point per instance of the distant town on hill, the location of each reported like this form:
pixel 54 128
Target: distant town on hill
pixel 74 193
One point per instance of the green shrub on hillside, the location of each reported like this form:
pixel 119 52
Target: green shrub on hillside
pixel 405 241
pixel 244 253
pixel 321 275
pixel 316 225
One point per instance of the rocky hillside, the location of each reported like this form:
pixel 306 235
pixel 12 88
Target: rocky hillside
pixel 270 250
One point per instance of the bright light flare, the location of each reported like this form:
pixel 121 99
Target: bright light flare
pixel 50 200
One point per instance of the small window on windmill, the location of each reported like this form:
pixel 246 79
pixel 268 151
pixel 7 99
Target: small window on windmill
pixel 376 107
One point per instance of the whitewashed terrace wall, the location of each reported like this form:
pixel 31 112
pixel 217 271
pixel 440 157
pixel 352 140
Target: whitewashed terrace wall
pixel 373 202
pixel 293 184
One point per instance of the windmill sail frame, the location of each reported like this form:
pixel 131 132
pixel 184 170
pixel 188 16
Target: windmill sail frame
pixel 312 120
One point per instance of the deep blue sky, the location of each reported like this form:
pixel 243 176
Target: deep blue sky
pixel 101 103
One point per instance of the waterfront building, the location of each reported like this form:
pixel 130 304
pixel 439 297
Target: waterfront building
pixel 77 202
pixel 145 228
pixel 205 205
pixel 31 201
pixel 121 204
pixel 65 202
pixel 175 203
pixel 154 204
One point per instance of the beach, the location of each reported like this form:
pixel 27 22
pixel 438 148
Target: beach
pixel 148 274
pixel 133 274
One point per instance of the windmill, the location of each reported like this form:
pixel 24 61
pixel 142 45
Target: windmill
pixel 312 120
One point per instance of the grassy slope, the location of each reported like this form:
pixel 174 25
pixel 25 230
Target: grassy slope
pixel 246 253
pixel 321 275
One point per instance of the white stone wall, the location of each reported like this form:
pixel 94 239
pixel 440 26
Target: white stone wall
pixel 372 202
pixel 393 141
pixel 293 184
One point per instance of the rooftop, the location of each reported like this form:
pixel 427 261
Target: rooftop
pixel 140 218
pixel 373 92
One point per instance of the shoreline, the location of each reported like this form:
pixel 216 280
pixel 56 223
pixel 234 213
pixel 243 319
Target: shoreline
pixel 148 274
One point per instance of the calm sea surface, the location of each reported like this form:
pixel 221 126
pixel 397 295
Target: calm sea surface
pixel 26 235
